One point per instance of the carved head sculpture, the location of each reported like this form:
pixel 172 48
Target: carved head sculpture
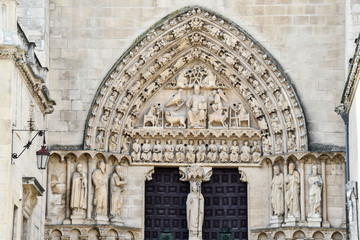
pixel 179 141
pixel 169 141
pixel 157 141
pixel 246 143
pixel 212 141
pixel 191 142
pixel 147 141
pixel 79 167
pixel 136 140
pixel 194 187
pixel 291 168
pixel 314 170
pixel 255 143
pixel 235 143
pixel 200 142
pixel 197 89
pixel 101 166
pixel 118 171
pixel 276 170
pixel 223 142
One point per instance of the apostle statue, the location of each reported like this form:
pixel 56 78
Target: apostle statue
pixel 195 212
pixel 99 179
pixel 277 192
pixel 78 190
pixel 292 192
pixel 197 109
pixel 117 183
pixel 315 185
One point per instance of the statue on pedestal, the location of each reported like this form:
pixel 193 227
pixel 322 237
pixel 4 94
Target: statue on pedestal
pixel 195 212
pixel 99 179
pixel 315 185
pixel 78 190
pixel 116 187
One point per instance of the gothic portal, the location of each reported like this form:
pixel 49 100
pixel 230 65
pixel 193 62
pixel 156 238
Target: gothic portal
pixel 198 99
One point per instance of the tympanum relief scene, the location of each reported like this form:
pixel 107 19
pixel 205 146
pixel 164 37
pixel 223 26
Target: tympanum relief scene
pixel 198 94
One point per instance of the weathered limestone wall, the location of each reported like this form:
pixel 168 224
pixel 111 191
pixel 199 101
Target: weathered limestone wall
pixel 306 37
pixel 352 29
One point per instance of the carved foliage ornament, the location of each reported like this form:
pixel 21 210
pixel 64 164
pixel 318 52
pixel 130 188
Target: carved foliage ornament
pixel 196 48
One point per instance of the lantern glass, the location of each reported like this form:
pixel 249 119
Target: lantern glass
pixel 42 157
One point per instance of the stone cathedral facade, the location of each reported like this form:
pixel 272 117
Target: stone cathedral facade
pixel 209 121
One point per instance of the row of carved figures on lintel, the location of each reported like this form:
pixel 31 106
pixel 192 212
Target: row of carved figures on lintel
pixel 126 141
pixel 189 153
pixel 291 198
pixel 79 193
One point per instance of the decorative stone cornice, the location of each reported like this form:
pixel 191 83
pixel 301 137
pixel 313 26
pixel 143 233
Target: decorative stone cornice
pixel 351 82
pixel 30 69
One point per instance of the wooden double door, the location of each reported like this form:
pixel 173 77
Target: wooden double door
pixel 225 205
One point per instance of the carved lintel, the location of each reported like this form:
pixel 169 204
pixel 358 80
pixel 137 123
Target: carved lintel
pixel 243 177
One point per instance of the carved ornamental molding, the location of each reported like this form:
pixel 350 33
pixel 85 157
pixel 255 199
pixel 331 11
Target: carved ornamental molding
pixel 242 90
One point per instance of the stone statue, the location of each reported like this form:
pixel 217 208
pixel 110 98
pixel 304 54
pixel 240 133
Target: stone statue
pixel 136 151
pixel 224 152
pixel 212 152
pixel 113 142
pixel 277 192
pixel 105 118
pixel 256 152
pixel 116 187
pixel 157 151
pixel 292 192
pixel 125 141
pixel 234 152
pixel 190 154
pixel 201 151
pixel 180 151
pixel 146 151
pixel 266 145
pixel 245 152
pixel 197 109
pixel 291 143
pixel 278 144
pixel 169 151
pixel 195 212
pixel 100 140
pixel 111 100
pixel 315 185
pixel 117 122
pixel 99 179
pixel 78 190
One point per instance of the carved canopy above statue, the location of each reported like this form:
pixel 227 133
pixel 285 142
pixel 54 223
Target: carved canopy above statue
pixel 195 77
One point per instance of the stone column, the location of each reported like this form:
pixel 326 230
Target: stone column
pixel 302 190
pixel 90 170
pixel 48 191
pixel 285 174
pixel 325 222
pixel 68 182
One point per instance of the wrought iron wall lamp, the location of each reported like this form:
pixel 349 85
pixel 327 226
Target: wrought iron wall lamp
pixel 42 155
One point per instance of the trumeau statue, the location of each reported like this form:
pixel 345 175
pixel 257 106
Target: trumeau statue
pixel 277 192
pixel 292 192
pixel 197 109
pixel 78 190
pixel 195 212
pixel 315 185
pixel 99 179
pixel 117 183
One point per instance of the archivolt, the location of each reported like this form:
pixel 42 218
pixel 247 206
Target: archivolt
pixel 178 40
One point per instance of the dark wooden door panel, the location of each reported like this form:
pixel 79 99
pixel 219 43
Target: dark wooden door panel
pixel 225 205
pixel 165 204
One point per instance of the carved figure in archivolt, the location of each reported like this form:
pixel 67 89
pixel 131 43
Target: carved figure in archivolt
pixel 201 151
pixel 111 100
pixel 117 183
pixel 212 151
pixel 245 152
pixel 291 143
pixel 78 190
pixel 113 142
pixel 169 151
pixel 224 152
pixel 277 192
pixel 136 151
pixel 176 100
pixel 293 192
pixel 234 151
pixel 105 118
pixel 266 145
pixel 190 154
pixel 195 212
pixel 197 109
pixel 117 122
pixel 256 152
pixel 180 151
pixel 279 144
pixel 125 141
pixel 99 179
pixel 315 185
pixel 157 151
pixel 146 151
pixel 100 140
